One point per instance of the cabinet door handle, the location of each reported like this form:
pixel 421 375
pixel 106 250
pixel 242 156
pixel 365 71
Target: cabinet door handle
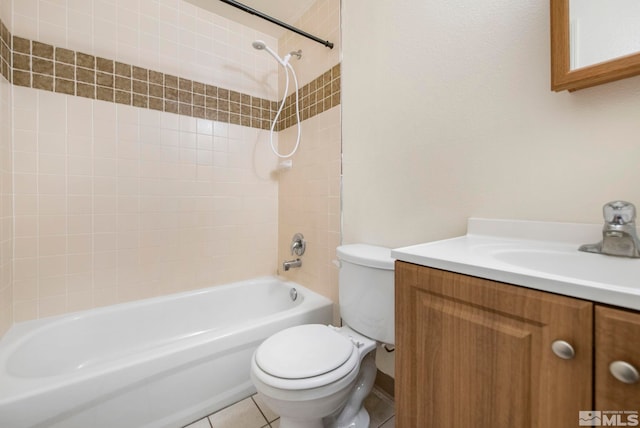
pixel 563 349
pixel 624 372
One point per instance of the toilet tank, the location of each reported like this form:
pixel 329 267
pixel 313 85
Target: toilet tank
pixel 366 290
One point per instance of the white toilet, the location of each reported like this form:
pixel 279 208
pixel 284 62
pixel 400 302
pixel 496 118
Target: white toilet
pixel 317 376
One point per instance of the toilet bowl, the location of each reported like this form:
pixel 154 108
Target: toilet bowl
pixel 316 376
pixel 306 373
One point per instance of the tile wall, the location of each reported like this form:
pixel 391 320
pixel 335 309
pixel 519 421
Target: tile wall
pixel 5 50
pixel 309 193
pixel 6 201
pixel 117 197
pixel 171 36
pixel 309 202
pixel 115 203
pixel 42 66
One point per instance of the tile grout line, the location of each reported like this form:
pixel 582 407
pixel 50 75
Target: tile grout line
pixel 269 423
pixel 261 412
pixel 387 420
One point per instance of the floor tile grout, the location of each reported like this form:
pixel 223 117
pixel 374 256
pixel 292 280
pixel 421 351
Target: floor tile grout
pixel 261 412
pixel 384 404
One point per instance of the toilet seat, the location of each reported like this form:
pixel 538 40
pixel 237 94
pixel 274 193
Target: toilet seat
pixel 305 356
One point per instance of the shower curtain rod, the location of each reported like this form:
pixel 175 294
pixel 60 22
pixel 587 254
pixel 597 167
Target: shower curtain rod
pixel 273 20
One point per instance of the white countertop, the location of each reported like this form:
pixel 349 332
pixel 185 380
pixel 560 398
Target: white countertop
pixel 538 255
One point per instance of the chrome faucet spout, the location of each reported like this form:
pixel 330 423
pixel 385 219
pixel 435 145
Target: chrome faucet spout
pixel 286 265
pixel 619 234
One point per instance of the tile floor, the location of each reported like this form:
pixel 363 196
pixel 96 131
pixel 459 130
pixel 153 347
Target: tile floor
pixel 253 413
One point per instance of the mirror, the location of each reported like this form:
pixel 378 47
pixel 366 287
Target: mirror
pixel 600 31
pixel 583 52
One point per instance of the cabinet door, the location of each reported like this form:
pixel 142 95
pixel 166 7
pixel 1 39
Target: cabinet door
pixel 617 339
pixel 477 353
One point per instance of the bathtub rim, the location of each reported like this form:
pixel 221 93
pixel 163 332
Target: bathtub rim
pixel 24 327
pixel 18 388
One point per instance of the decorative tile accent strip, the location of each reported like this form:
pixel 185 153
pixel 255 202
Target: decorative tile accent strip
pixel 5 52
pixel 38 65
pixel 315 97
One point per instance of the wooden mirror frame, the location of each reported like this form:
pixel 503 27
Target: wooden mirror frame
pixel 562 77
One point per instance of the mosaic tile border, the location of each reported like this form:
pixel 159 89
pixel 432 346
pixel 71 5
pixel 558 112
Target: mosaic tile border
pixel 5 52
pixel 315 97
pixel 37 65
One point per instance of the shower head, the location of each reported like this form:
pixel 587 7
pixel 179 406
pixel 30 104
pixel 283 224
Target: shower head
pixel 260 45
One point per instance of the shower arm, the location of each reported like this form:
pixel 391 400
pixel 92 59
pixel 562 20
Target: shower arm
pixel 273 20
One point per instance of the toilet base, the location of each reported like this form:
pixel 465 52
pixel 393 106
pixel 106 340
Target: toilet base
pixel 354 415
pixel 362 419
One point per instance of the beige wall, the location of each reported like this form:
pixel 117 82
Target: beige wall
pixel 309 193
pixel 448 114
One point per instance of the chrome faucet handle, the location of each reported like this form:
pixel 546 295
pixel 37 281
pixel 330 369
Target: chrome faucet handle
pixel 298 245
pixel 619 213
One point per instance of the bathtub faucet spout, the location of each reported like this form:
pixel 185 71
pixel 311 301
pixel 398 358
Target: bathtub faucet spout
pixel 291 264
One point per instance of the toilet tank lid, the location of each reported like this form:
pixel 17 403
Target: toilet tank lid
pixel 366 255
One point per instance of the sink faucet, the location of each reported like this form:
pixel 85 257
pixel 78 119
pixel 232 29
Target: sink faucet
pixel 619 235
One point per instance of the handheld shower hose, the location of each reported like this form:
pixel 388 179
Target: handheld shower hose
pixel 284 62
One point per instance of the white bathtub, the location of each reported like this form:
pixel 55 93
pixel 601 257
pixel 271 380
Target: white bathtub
pixel 161 362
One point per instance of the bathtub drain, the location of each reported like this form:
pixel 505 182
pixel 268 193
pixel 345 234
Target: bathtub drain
pixel 293 293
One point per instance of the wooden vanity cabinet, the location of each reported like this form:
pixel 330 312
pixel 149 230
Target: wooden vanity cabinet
pixel 477 353
pixel 617 339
